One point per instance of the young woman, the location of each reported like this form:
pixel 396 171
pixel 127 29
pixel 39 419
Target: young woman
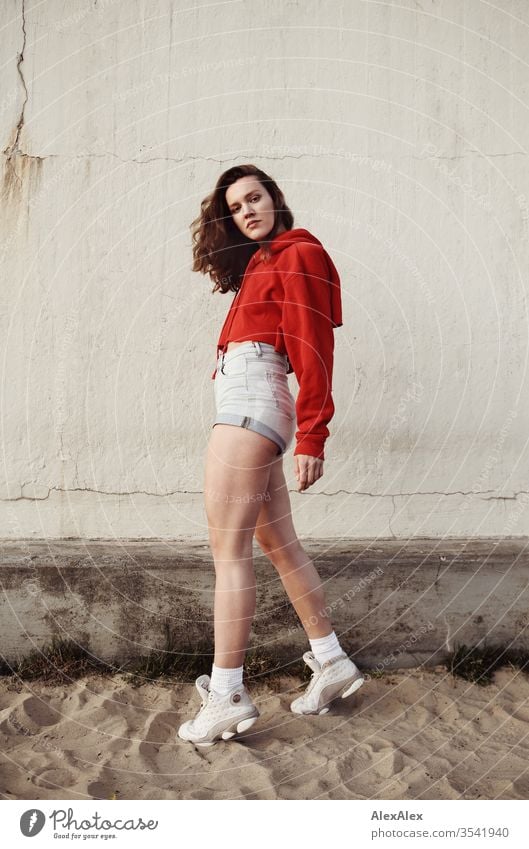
pixel 281 320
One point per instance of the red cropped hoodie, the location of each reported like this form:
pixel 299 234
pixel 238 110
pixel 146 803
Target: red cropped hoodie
pixel 293 302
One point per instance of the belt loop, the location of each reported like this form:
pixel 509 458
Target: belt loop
pixel 259 349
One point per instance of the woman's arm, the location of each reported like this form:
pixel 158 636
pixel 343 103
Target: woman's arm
pixel 309 341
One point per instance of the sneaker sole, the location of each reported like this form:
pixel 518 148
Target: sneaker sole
pixel 353 688
pixel 227 734
pixel 343 691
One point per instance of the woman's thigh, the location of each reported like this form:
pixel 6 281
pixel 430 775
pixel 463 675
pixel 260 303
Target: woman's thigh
pixel 237 472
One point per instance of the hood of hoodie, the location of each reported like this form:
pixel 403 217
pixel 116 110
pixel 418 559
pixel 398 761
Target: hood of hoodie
pixel 297 236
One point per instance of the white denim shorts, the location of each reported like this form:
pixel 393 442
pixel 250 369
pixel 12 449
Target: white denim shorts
pixel 252 391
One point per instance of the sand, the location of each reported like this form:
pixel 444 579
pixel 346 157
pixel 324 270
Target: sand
pixel 412 734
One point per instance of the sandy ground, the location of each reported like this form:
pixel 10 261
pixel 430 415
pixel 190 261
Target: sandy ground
pixel 412 734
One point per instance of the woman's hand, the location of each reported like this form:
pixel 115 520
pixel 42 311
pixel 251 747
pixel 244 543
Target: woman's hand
pixel 307 470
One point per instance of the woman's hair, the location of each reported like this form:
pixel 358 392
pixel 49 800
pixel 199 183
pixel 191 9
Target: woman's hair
pixel 219 247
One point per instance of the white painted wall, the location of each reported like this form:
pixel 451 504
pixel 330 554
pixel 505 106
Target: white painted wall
pixel 397 131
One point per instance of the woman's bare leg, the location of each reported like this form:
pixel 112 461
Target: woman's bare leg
pixel 277 538
pixel 237 472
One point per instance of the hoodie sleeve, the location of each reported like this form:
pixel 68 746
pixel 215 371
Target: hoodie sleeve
pixel 309 340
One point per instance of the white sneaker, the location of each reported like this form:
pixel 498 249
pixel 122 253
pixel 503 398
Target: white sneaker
pixel 220 716
pixel 336 677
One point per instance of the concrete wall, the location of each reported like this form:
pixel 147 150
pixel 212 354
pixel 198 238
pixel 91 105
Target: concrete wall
pixel 397 131
pixel 393 603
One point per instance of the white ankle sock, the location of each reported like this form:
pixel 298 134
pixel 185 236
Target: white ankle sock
pixel 223 681
pixel 324 648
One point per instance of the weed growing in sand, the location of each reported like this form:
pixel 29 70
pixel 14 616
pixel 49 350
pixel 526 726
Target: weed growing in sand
pixel 64 659
pixel 375 673
pixel 188 662
pixel 56 661
pixel 479 663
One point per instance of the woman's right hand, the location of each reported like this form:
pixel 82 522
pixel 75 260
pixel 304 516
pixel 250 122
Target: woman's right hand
pixel 307 470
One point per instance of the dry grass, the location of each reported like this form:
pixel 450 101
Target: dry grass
pixel 65 660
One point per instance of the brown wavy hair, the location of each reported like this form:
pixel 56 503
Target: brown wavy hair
pixel 219 247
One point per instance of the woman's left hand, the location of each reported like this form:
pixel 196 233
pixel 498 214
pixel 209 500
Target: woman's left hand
pixel 307 470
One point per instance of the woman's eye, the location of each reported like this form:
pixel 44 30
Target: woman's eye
pixel 255 197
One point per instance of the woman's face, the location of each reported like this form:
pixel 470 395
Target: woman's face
pixel 248 202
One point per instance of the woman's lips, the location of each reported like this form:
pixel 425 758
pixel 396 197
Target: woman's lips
pixel 252 224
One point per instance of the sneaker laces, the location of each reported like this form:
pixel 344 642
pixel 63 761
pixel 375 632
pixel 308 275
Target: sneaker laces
pixel 205 701
pixel 312 681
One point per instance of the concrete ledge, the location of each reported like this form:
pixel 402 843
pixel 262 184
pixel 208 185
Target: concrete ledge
pixel 394 603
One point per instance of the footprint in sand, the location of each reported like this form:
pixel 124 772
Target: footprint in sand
pixel 521 786
pixel 161 728
pixel 379 760
pixel 102 790
pixel 54 778
pixel 28 718
pixel 39 712
pixel 202 794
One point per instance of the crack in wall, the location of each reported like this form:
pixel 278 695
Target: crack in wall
pixel 201 492
pixel 428 492
pixel 392 517
pixel 191 157
pixel 448 640
pixel 12 150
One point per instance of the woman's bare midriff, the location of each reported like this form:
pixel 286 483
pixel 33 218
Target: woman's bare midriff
pixel 233 344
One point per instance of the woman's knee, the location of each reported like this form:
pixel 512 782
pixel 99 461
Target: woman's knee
pixel 276 547
pixel 265 542
pixel 234 544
